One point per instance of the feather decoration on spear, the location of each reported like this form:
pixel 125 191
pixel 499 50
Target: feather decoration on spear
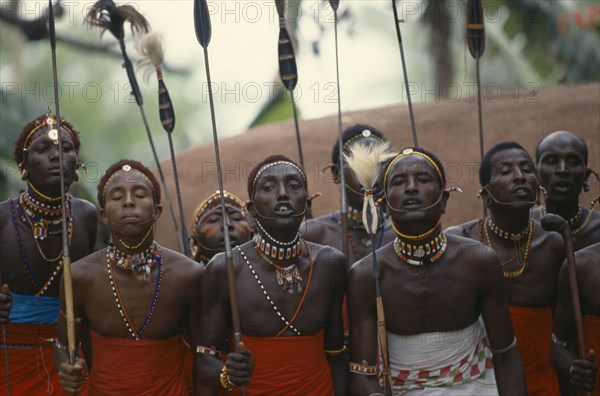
pixel 365 162
pixel 152 49
pixel 288 70
pixel 413 126
pixel 106 15
pixel 203 35
pixel 343 199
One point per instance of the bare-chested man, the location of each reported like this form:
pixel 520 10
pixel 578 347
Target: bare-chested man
pixel 136 297
pixel 582 373
pixel 562 160
pixel 530 257
pixel 435 288
pixel 289 295
pixel 31 262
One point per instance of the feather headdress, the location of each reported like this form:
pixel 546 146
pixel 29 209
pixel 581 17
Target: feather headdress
pixel 365 161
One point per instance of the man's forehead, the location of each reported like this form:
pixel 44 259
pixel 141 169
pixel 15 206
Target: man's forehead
pixel 512 155
pixel 412 164
pixel 280 170
pixel 133 178
pixel 561 143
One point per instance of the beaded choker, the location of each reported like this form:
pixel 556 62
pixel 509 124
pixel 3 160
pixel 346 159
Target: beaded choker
pixel 266 249
pixel 139 264
pixel 430 252
pixel 505 234
pixel 288 278
pixel 41 215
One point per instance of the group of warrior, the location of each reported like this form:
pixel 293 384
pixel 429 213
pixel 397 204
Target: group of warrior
pixel 482 308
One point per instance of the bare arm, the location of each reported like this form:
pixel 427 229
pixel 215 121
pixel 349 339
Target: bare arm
pixel 334 330
pixel 581 372
pixel 363 327
pixel 507 365
pixel 211 333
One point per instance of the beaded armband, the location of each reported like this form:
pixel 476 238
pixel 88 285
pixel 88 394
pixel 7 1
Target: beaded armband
pixel 507 349
pixel 225 381
pixel 209 351
pixel 558 341
pixel 335 352
pixel 362 368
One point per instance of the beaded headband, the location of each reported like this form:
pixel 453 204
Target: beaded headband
pixel 363 135
pixel 129 168
pixel 267 166
pixel 405 153
pixel 215 198
pixel 52 133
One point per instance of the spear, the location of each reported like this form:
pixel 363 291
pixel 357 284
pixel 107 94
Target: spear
pixel 397 22
pixel 152 48
pixel 66 258
pixel 203 35
pixel 5 290
pixel 365 162
pixel 553 222
pixel 476 42
pixel 343 199
pixel 288 70
pixel 106 15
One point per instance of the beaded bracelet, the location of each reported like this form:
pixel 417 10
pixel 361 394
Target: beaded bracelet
pixel 225 381
pixel 502 351
pixel 362 368
pixel 209 351
pixel 336 352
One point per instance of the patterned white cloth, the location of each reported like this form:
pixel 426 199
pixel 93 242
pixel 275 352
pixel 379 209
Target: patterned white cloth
pixel 450 363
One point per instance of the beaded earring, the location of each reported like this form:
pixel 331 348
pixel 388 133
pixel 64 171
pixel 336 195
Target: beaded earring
pixel 586 186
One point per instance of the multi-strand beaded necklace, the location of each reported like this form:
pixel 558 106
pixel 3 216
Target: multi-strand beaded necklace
pixel 141 265
pixel 288 323
pixel 574 221
pixel 32 213
pixel 288 278
pixel 516 238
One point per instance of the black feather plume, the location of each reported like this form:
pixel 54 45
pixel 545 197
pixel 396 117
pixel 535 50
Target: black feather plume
pixel 106 15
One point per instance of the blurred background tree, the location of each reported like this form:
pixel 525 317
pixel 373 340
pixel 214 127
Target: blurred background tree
pixel 530 43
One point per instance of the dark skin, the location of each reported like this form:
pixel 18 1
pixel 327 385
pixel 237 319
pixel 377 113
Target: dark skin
pixel 43 169
pixel 327 231
pixel 464 284
pixel 514 184
pixel 564 173
pixel 564 359
pixel 130 211
pixel 210 238
pixel 281 195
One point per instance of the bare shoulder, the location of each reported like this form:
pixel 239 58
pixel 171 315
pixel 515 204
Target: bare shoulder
pixel 181 265
pixel 467 230
pixel 316 229
pixel 84 208
pixel 471 254
pixel 325 254
pixel 90 266
pixel 549 241
pixel 587 258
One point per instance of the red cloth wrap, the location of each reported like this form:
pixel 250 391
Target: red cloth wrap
pixel 289 366
pixel 146 367
pixel 30 360
pixel 591 330
pixel 533 329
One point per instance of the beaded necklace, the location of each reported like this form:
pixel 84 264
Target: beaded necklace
pixel 290 251
pixel 288 324
pixel 275 241
pixel 41 216
pixel 133 247
pixel 288 278
pixel 28 270
pixel 511 236
pixel 139 264
pixel 418 254
pixel 574 221
pixel 523 263
pixel 135 333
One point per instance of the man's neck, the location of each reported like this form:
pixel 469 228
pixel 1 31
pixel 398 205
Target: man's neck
pixel 511 220
pixel 566 210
